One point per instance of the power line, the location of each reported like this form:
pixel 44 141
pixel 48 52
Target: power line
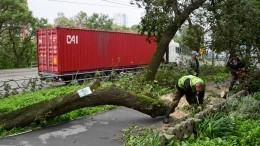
pixel 117 3
pixel 82 3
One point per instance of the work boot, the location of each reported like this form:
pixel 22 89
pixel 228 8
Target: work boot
pixel 167 115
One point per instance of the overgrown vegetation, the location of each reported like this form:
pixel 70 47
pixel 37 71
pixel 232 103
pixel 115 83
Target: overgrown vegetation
pixel 216 125
pixel 141 137
pixel 245 107
pixel 238 124
pixel 165 81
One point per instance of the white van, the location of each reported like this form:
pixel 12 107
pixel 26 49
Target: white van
pixel 174 53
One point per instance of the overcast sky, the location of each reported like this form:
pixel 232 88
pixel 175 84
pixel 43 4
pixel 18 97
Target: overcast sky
pixel 49 8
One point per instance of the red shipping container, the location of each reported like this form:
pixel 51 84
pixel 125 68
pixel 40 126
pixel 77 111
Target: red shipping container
pixel 68 51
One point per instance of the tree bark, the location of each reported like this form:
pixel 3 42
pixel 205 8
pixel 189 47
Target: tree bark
pixel 167 37
pixel 57 106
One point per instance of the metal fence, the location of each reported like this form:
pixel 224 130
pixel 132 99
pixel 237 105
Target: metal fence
pixel 11 87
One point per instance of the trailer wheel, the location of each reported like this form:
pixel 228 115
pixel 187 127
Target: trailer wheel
pixel 84 78
pixel 66 79
pixel 104 76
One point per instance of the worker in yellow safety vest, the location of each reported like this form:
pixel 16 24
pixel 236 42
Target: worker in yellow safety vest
pixel 194 90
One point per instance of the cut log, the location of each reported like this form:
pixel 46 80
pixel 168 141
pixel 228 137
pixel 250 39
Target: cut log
pixel 60 105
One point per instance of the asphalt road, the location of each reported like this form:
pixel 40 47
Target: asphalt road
pixel 104 129
pixel 18 74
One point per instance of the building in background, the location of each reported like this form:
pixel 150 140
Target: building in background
pixel 120 19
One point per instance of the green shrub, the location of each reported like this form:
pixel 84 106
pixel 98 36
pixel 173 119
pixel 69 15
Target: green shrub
pixel 244 107
pixel 148 137
pixel 254 86
pixel 216 125
pixel 193 141
pixel 256 96
pixel 248 132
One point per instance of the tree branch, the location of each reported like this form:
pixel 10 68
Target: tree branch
pixel 170 31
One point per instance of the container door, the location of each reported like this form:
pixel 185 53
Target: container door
pixel 47 51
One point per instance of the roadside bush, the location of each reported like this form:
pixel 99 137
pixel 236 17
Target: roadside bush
pixel 216 125
pixel 193 141
pixel 248 133
pixel 148 137
pixel 239 124
pixel 256 96
pixel 244 107
pixel 254 86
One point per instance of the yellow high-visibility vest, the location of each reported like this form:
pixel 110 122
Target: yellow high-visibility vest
pixel 193 81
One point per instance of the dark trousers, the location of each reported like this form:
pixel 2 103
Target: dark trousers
pixel 233 80
pixel 190 98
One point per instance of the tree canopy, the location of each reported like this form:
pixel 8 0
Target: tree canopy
pixel 226 25
pixel 15 45
pixel 163 19
pixel 235 23
pixel 193 36
pixel 82 20
pixel 17 31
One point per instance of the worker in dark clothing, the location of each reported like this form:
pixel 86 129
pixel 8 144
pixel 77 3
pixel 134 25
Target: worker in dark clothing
pixel 193 64
pixel 235 64
pixel 192 87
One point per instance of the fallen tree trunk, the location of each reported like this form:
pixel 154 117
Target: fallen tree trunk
pixel 61 105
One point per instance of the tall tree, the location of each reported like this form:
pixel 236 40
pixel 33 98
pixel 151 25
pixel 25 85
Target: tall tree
pixel 81 19
pixel 15 42
pixel 193 37
pixel 99 21
pixel 235 23
pixel 163 18
pixel 63 21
